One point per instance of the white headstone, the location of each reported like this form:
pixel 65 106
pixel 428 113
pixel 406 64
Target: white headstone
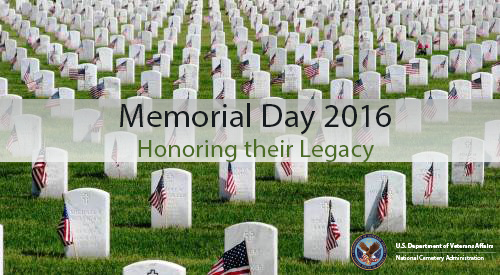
pixel 56 173
pixel 176 209
pixel 430 179
pixel 86 126
pixel 154 267
pixel 316 217
pixel 89 216
pixel 467 160
pixel 290 165
pixel 261 242
pixel 120 155
pixel 243 174
pixel 391 215
pixel 28 129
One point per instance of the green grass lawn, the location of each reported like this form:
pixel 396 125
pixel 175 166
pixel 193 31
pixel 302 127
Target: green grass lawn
pixel 32 245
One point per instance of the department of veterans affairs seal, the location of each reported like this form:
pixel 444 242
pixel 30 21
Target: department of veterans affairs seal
pixel 368 252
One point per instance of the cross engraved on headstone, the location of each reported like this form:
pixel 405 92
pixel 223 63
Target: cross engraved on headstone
pixel 152 272
pixel 85 198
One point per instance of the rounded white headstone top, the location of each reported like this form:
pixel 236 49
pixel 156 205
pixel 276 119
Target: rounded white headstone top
pixel 429 156
pixel 154 267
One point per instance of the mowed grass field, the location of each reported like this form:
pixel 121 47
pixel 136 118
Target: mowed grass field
pixel 32 245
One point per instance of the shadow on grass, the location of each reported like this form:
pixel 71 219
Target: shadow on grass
pixel 308 261
pixel 137 225
pixel 90 174
pixel 42 254
pixel 265 178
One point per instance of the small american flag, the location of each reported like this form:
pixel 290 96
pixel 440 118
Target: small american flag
pixel 63 64
pixel 311 71
pixel 300 61
pixel 113 43
pixel 332 231
pixel 338 62
pixel 279 79
pixel 412 68
pixel 489 53
pixel 99 38
pixel 158 198
pixel 309 38
pixel 273 60
pixel 173 138
pixel 297 28
pixel 469 168
pixel 230 185
pixel 321 50
pixel 329 34
pixel 114 154
pixel 7 115
pixel 440 67
pixel 97 91
pixel 256 115
pixel 400 56
pixel 244 50
pixel 364 63
pixel 429 110
pixel 380 51
pixel 236 38
pixel 453 97
pixel 217 69
pixel 122 67
pixel 454 39
pixel 98 124
pixel 76 74
pixel 311 106
pixel 36 44
pixel 13 61
pixel 155 61
pixel 79 50
pixel 180 81
pixel 402 114
pixel 210 54
pixel 54 100
pixel 258 35
pixel 189 44
pixel 220 136
pixel 470 61
pixel 39 170
pixel 336 44
pixel 185 105
pixel 233 262
pixel 364 135
pixel 35 85
pixel 143 90
pixel 286 166
pixel 386 79
pixel 320 137
pixel 27 76
pixel 64 228
pixel 248 87
pixel 266 48
pixel 383 203
pixel 476 83
pixel 340 95
pixel 222 93
pixel 359 87
pixel 245 65
pixel 429 179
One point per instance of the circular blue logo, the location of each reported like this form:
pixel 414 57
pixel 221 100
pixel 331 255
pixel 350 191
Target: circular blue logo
pixel 368 252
